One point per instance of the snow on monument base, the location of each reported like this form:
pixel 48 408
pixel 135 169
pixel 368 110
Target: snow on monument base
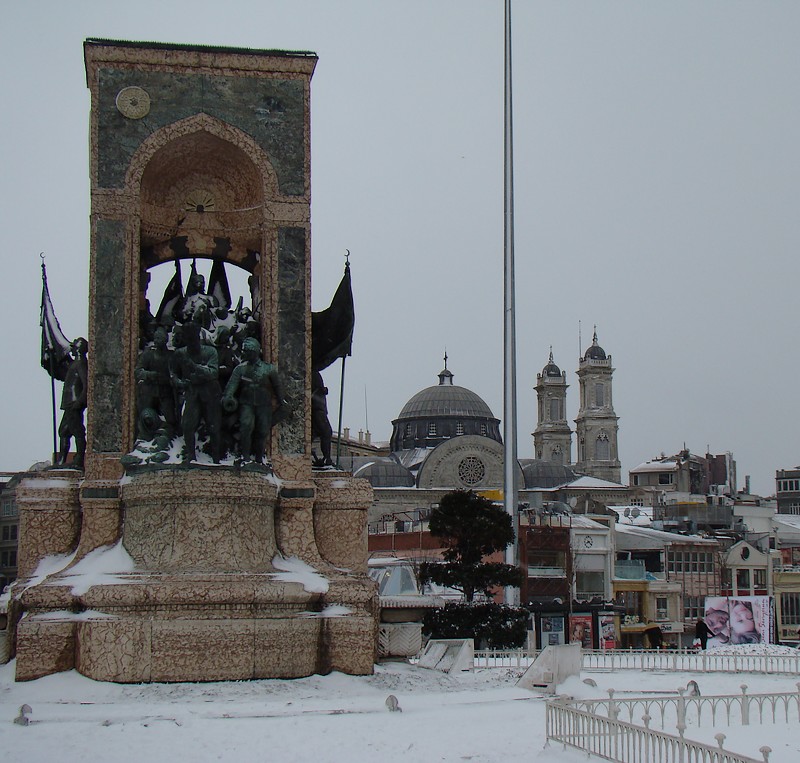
pixel 204 615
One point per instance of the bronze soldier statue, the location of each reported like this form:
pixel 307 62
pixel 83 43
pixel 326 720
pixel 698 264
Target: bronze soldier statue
pixel 257 385
pixel 154 393
pixel 73 403
pixel 195 375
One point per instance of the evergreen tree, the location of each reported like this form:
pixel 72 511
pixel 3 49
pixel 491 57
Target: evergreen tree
pixel 471 528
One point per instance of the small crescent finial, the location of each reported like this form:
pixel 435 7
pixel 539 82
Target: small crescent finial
pixel 347 256
pixel 41 254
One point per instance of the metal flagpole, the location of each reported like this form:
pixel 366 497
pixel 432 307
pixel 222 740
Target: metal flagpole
pixel 51 360
pixel 510 487
pixel 341 405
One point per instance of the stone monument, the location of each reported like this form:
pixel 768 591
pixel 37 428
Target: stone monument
pixel 162 559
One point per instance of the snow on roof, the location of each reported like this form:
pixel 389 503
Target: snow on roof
pixel 631 536
pixel 790 520
pixel 667 465
pixel 593 483
pixel 582 521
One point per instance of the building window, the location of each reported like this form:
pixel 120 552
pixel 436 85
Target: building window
pixel 589 585
pixel 662 610
pixel 790 609
pixel 408 430
pixel 557 455
pixel 743 581
pixel 8 558
pixel 759 577
pixel 8 509
pixel 432 429
pixel 555 409
pixel 599 395
pixel 630 601
pixel 665 478
pixel 637 502
pixel 602 448
pixel 471 470
pixel 459 428
pixel 693 607
pixel 483 430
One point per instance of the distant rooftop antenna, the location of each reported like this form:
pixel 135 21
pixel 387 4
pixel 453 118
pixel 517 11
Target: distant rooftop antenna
pixel 366 409
pixel 580 341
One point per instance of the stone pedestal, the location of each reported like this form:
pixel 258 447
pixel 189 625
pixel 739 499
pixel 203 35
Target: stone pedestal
pixel 205 602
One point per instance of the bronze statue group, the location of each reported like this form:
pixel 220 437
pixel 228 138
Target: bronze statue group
pixel 200 374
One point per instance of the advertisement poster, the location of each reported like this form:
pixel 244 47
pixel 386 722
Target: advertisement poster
pixel 739 620
pixel 580 629
pixel 552 630
pixel 608 630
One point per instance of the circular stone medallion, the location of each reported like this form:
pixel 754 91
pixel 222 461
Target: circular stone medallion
pixel 133 102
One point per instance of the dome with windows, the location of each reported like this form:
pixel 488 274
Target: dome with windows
pixel 440 412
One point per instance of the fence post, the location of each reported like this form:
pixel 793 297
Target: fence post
pixel 681 724
pixel 798 700
pixel 745 706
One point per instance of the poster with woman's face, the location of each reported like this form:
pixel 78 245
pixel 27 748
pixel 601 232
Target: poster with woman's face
pixel 738 620
pixel 580 630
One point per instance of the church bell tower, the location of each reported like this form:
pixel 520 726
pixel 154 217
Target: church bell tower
pixel 552 440
pixel 596 426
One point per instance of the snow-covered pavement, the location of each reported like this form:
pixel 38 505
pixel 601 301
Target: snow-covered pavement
pixel 476 716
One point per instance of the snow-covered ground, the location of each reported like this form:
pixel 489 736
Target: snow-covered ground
pixel 475 716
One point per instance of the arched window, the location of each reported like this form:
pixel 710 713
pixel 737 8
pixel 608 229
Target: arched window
pixel 432 429
pixel 602 449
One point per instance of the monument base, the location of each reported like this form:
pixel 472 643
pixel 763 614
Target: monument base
pixel 199 586
pixel 155 627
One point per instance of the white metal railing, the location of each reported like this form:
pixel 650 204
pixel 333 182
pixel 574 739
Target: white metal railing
pixel 653 659
pixel 682 707
pixel 625 742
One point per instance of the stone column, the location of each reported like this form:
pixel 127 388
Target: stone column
pixel 49 517
pixel 340 519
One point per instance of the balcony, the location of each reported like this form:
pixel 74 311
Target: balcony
pixel 630 569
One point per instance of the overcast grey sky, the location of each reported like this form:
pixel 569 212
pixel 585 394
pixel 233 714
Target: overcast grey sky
pixel 657 174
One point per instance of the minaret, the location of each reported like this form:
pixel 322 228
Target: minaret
pixel 552 440
pixel 596 426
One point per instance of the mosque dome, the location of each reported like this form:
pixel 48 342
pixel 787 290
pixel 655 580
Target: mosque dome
pixel 385 472
pixel 545 474
pixel 440 412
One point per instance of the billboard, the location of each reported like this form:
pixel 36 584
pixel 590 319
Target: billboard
pixel 608 630
pixel 739 620
pixel 580 630
pixel 552 630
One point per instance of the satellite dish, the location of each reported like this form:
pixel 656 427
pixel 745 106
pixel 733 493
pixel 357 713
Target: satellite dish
pixel 627 511
pixel 635 512
pixel 573 502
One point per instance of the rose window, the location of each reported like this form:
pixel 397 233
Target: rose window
pixel 471 470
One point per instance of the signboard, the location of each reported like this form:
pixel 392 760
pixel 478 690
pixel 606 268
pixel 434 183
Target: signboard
pixel 608 630
pixel 552 630
pixel 739 620
pixel 580 630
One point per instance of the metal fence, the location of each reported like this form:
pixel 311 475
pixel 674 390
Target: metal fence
pixel 683 708
pixel 624 742
pixel 653 659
